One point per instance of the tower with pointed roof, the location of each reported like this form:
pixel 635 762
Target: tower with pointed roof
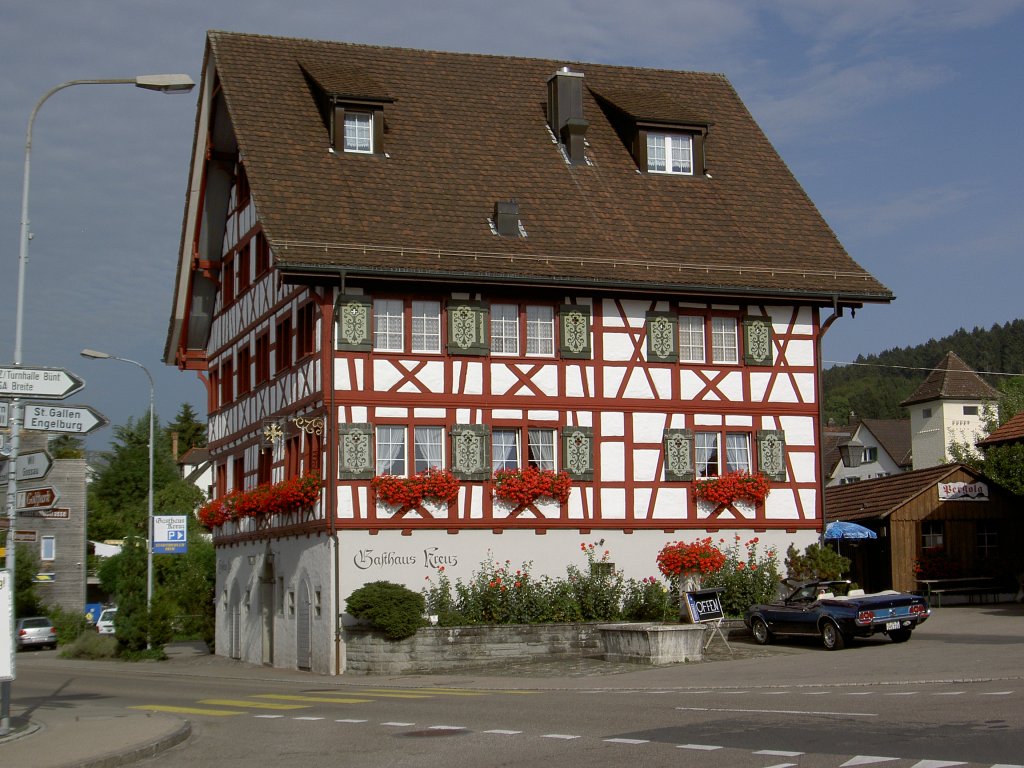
pixel 947 407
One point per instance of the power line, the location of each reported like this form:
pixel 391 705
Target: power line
pixel 913 368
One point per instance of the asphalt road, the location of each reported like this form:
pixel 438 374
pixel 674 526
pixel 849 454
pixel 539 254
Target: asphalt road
pixel 953 695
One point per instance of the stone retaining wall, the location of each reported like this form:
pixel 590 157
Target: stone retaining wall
pixel 439 649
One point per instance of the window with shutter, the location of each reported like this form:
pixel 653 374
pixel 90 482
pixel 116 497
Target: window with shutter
pixel 662 337
pixel 578 452
pixel 574 336
pixel 757 341
pixel 353 326
pixel 467 328
pixel 355 452
pixel 470 452
pixel 771 453
pixel 678 447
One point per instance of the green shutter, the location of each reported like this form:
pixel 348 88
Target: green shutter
pixel 471 452
pixel 353 318
pixel 578 452
pixel 355 452
pixel 757 340
pixel 574 332
pixel 468 329
pixel 678 447
pixel 771 453
pixel 662 337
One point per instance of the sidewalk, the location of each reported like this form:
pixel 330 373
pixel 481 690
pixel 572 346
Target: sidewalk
pixel 108 737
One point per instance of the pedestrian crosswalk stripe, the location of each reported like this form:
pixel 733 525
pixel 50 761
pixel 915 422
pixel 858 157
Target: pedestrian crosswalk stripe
pixel 187 710
pixel 396 695
pixel 317 699
pixel 419 693
pixel 251 704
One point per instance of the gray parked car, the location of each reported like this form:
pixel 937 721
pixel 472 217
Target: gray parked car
pixel 35 632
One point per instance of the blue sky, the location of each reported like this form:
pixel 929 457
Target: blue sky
pixel 902 120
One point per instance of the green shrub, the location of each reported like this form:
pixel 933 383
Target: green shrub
pixel 69 624
pixel 90 645
pixel 649 600
pixel 391 608
pixel 816 562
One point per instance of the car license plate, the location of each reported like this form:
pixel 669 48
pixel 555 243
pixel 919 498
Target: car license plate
pixel 892 625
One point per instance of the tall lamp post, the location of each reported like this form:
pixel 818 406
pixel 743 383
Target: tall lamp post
pixel 165 84
pixel 95 355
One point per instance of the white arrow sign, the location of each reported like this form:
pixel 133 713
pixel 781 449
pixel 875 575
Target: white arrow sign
pixel 3 414
pixel 31 466
pixel 53 383
pixel 63 418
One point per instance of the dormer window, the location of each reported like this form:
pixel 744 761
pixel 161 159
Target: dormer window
pixel 358 130
pixel 670 153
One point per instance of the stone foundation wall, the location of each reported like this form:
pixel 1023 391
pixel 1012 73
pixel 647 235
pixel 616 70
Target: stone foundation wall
pixel 439 649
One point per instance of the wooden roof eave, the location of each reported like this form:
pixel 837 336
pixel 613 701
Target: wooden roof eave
pixel 316 273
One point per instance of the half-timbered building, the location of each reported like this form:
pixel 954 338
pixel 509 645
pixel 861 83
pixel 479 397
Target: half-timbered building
pixel 396 261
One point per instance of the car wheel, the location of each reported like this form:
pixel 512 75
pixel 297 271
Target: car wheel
pixel 900 635
pixel 760 629
pixel 831 637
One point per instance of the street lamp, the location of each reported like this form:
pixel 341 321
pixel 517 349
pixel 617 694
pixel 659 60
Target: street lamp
pixel 94 355
pixel 165 84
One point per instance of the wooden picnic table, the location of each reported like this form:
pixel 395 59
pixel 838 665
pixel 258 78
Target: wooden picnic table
pixel 971 586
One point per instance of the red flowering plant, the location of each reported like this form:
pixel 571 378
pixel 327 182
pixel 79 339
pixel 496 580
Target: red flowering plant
pixel 525 486
pixel 433 483
pixel 733 486
pixel 680 558
pixel 295 493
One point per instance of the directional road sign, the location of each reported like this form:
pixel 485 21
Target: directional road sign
pixel 3 413
pixel 38 498
pixel 32 465
pixel 79 419
pixel 47 383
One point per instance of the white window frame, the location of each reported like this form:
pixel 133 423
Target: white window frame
pixel 358 132
pixel 391 450
pixel 540 331
pixel 428 448
pixel 541 447
pixel 670 153
pixel 505 329
pixel 388 325
pixel 692 343
pixel 725 341
pixel 426 326
pixel 47 548
pixel 708 454
pixel 506 440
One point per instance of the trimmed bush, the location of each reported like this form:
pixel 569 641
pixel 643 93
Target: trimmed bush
pixel 391 608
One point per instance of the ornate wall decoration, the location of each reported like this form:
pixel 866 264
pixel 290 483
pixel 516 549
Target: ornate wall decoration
pixel 354 330
pixel 662 337
pixel 355 451
pixel 678 446
pixel 470 451
pixel 771 453
pixel 467 328
pixel 575 331
pixel 577 452
pixel 757 341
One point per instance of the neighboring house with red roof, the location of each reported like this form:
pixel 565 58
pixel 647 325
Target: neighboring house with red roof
pixel 1011 432
pixel 397 260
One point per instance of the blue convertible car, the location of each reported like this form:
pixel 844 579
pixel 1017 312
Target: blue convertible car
pixel 814 609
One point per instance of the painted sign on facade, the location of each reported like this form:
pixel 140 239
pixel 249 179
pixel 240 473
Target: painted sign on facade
pixel 963 492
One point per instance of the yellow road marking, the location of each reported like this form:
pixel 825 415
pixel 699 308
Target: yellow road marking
pixel 463 692
pixel 396 695
pixel 323 699
pixel 422 693
pixel 251 704
pixel 187 710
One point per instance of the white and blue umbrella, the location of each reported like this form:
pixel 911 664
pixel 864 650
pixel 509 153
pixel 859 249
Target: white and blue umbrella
pixel 841 530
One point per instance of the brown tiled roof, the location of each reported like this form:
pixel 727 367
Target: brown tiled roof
pixel 1010 432
pixel 880 497
pixel 894 437
pixel 952 379
pixel 465 130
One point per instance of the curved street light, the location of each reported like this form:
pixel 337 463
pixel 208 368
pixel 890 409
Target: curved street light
pixel 169 83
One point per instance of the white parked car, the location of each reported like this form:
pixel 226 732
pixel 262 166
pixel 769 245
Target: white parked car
pixel 105 623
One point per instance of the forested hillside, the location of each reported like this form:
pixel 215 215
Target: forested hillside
pixel 875 387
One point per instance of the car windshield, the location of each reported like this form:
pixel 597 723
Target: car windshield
pixel 31 623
